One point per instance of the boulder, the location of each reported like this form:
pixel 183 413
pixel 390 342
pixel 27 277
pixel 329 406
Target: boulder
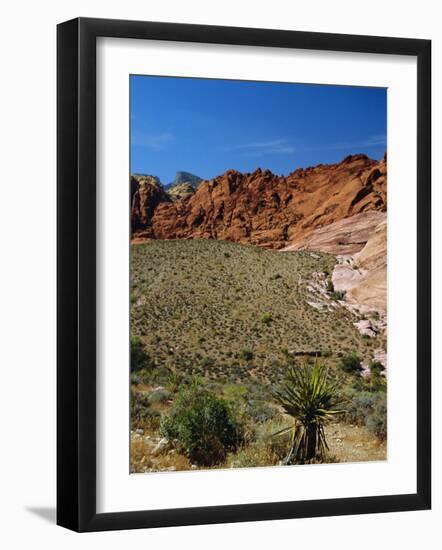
pixel 161 447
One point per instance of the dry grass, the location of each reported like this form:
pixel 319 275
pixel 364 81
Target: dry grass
pixel 349 443
pixel 143 460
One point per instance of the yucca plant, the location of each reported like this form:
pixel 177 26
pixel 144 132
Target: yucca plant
pixel 311 399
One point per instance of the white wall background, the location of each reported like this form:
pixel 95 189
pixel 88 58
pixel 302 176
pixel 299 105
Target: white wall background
pixel 27 275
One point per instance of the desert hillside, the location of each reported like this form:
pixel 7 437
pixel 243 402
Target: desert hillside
pixel 232 319
pixel 201 304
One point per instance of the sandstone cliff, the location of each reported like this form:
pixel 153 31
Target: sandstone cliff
pixel 260 207
pixel 146 193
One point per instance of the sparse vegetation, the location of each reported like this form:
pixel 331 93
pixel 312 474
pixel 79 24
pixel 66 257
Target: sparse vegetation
pixel 376 367
pixel 266 318
pixel 246 354
pixel 351 363
pixel 216 327
pixel 338 295
pixel 369 409
pixel 196 309
pixel 143 416
pixel 139 359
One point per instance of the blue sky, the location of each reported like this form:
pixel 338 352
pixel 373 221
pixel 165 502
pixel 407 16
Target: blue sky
pixel 208 126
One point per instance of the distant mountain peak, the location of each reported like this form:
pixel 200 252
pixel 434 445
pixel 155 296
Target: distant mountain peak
pixel 185 177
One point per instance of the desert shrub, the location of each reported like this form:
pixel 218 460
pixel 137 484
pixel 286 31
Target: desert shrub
pixel 142 415
pixel 207 362
pixel 163 375
pixel 173 379
pixel 369 409
pixel 202 426
pixel 374 382
pixel 376 367
pixel 265 437
pixel 359 406
pixel 266 318
pixel 259 411
pixel 377 421
pixel 235 392
pixel 262 449
pixel 246 354
pixel 159 396
pixel 338 295
pixel 252 456
pixel 135 379
pixel 139 359
pixel 330 286
pixel 351 363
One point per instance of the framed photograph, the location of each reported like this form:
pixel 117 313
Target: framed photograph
pixel 243 274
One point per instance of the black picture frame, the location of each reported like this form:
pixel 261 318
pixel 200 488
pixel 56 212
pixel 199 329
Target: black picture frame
pixel 77 287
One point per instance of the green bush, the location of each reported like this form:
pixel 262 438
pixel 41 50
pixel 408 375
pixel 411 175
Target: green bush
pixel 259 411
pixel 159 396
pixel 142 416
pixel 265 437
pixel 369 409
pixel 266 318
pixel 246 354
pixel 351 363
pixel 135 379
pixel 338 295
pixel 202 426
pixel 374 382
pixel 207 362
pixel 360 405
pixel 139 359
pixel 377 421
pixel 376 367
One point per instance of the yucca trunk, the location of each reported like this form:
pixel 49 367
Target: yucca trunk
pixel 306 445
pixel 311 442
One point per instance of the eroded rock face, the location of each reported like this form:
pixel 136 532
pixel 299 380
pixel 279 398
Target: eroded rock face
pixel 181 191
pixel 372 259
pixel 262 208
pixel 346 236
pixel 364 276
pixel 146 193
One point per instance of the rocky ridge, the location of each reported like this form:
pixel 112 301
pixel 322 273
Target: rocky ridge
pixel 262 208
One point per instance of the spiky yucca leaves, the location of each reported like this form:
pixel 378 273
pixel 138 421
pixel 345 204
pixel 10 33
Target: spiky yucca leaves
pixel 310 398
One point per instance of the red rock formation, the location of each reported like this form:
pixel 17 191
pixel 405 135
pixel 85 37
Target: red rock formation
pixel 262 208
pixel 146 193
